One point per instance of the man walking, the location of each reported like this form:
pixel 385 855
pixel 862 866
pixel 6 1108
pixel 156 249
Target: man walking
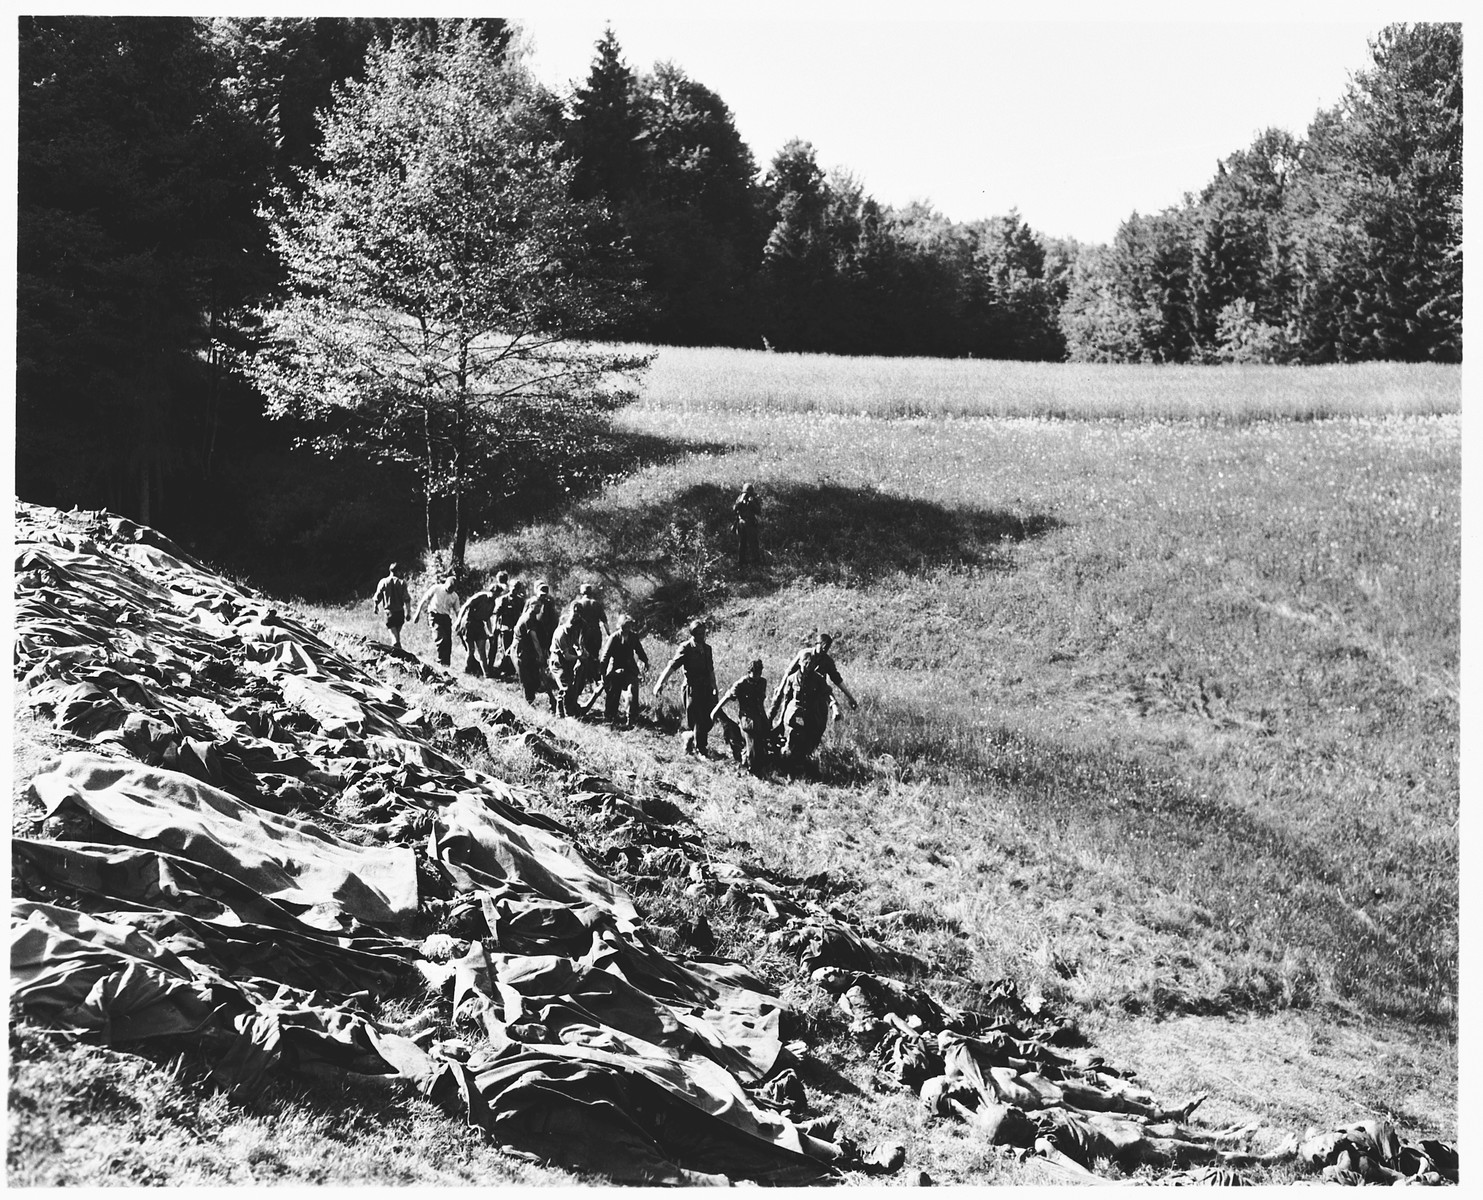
pixel 594 617
pixel 567 662
pixel 750 694
pixel 472 627
pixel 507 613
pixel 440 602
pixel 392 595
pixel 529 652
pixel 700 687
pixel 621 656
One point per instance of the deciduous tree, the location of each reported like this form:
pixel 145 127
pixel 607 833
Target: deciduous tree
pixel 444 289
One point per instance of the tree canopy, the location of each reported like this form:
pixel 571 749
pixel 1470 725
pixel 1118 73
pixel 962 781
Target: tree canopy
pixel 450 241
pixel 443 287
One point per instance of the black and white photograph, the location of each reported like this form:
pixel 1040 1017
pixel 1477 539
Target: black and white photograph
pixel 767 595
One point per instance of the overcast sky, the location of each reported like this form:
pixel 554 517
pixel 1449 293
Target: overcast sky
pixel 1076 123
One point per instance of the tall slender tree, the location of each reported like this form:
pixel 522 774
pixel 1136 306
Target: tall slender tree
pixel 444 288
pixel 606 132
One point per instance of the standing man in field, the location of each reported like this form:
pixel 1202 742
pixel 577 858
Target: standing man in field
pixel 750 694
pixel 588 610
pixel 700 687
pixel 622 656
pixel 440 602
pixel 748 510
pixel 802 698
pixel 472 627
pixel 529 651
pixel 392 595
pixel 507 612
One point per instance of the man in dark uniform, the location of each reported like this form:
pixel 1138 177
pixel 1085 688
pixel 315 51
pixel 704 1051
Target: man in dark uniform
pixel 529 651
pixel 621 656
pixel 748 510
pixel 546 616
pixel 392 595
pixel 700 687
pixel 802 698
pixel 566 662
pixel 507 611
pixel 750 694
pixel 472 628
pixel 588 609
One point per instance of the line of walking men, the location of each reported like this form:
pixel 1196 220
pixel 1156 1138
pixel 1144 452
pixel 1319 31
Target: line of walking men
pixel 562 653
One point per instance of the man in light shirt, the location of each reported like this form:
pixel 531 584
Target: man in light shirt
pixel 441 604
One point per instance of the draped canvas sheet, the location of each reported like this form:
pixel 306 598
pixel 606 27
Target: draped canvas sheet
pixel 290 861
pixel 176 898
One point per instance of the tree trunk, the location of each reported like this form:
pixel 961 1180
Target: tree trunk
pixel 460 444
pixel 428 467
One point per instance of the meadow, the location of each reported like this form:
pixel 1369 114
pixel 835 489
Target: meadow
pixel 1158 672
pixel 1171 702
pixel 745 381
pixel 1158 682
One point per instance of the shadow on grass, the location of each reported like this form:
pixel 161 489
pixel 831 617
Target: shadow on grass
pixel 607 456
pixel 682 551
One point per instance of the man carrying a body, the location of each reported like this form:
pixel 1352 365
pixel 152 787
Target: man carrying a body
pixel 700 687
pixel 507 612
pixel 566 662
pixel 622 655
pixel 802 699
pixel 750 694
pixel 472 627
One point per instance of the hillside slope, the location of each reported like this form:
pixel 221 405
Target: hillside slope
pixel 259 861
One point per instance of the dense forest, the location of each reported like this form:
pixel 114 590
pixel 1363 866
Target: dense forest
pixel 185 187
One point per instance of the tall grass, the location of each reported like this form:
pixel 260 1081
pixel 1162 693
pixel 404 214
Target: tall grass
pixel 1196 676
pixel 750 381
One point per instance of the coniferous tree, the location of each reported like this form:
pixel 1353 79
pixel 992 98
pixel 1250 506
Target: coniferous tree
pixel 139 254
pixel 606 131
pixel 1239 248
pixel 1377 213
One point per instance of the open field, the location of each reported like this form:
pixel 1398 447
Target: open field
pixel 1229 651
pixel 1159 717
pixel 746 381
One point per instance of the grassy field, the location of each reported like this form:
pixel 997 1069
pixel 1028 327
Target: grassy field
pixel 746 381
pixel 1190 685
pixel 1158 682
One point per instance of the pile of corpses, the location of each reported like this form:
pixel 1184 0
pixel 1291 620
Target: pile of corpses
pixel 254 842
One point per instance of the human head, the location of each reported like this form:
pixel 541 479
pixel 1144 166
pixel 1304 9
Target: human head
pixel 393 569
pixel 825 640
pixel 519 586
pixel 543 588
pixel 625 621
pixel 698 630
pixel 756 666
pixel 748 489
pixel 502 577
pixel 586 590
